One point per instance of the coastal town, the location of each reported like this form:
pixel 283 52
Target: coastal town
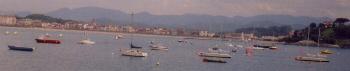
pixel 13 21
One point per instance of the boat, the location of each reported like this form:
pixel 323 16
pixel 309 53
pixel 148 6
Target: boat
pixel 313 59
pixel 60 35
pixel 216 60
pixel 257 48
pixel 211 54
pixel 134 53
pixel 46 39
pixel 7 33
pixel 158 47
pixel 15 33
pixel 273 47
pixel 266 46
pixel 86 41
pixel 326 52
pixel 12 47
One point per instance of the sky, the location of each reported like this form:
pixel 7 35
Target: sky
pixel 315 8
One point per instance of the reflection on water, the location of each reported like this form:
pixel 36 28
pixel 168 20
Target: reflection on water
pixel 105 55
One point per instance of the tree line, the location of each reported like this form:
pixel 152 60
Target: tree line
pixel 332 32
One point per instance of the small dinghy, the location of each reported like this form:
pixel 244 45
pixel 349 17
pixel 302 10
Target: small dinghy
pixel 12 47
pixel 216 60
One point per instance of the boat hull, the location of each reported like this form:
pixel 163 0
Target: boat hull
pixel 48 41
pixel 214 60
pixel 11 47
pixel 312 59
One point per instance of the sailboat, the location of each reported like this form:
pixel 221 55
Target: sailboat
pixel 323 51
pixel 131 44
pixel 86 40
pixel 310 57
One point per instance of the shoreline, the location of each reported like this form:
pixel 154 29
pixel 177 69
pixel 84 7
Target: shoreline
pixel 101 32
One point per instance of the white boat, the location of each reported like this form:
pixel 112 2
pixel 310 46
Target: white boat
pixel 211 54
pixel 60 35
pixel 134 53
pixel 15 33
pixel 7 33
pixel 86 41
pixel 158 47
pixel 256 48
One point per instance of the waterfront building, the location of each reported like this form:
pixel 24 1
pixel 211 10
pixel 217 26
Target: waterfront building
pixel 7 20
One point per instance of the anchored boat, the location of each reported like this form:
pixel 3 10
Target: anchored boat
pixel 46 39
pixel 134 53
pixel 217 60
pixel 218 55
pixel 12 47
pixel 313 59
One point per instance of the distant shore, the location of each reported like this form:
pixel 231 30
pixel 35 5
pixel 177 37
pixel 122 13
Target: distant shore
pixel 102 32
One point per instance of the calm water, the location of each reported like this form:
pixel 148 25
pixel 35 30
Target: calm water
pixel 105 55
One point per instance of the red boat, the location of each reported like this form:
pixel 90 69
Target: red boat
pixel 45 39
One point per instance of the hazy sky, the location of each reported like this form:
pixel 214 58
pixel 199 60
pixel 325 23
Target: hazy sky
pixel 318 8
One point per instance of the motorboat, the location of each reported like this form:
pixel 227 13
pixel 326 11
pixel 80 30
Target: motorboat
pixel 12 47
pixel 326 52
pixel 46 39
pixel 86 41
pixel 216 60
pixel 134 53
pixel 312 59
pixel 211 54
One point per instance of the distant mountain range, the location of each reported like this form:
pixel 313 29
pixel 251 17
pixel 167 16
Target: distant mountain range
pixel 187 21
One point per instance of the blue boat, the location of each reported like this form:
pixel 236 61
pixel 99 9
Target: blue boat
pixel 12 47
